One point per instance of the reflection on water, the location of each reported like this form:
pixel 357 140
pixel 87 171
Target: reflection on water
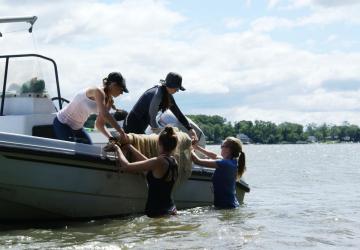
pixel 302 196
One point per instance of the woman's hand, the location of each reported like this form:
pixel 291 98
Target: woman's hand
pixel 193 136
pixel 195 145
pixel 121 158
pixel 193 156
pixel 112 140
pixel 110 147
pixel 124 138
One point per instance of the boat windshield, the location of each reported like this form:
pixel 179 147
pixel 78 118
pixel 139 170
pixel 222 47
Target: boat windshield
pixel 27 75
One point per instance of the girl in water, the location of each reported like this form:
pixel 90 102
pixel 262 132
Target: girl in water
pixel 162 172
pixel 229 167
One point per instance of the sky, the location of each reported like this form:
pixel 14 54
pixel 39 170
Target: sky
pixel 272 60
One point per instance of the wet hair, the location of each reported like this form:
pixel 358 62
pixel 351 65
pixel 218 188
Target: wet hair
pixel 108 98
pixel 168 139
pixel 236 151
pixel 166 101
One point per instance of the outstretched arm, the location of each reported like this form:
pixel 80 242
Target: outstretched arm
pixel 182 119
pixel 136 167
pixel 206 152
pixel 210 163
pixel 178 114
pixel 136 154
pixel 104 116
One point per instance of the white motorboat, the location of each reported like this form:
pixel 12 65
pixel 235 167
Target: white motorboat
pixel 42 178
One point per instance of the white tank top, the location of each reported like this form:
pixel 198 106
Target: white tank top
pixel 77 111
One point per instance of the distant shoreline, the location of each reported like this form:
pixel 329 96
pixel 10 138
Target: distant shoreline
pixel 216 128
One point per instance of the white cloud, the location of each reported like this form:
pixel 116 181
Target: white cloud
pixel 320 17
pixel 278 81
pixel 273 3
pixel 232 23
pixel 310 42
pixel 89 39
pixel 323 101
pixel 323 3
pixel 266 24
pixel 330 16
pixel 332 38
pixel 321 12
pixel 248 2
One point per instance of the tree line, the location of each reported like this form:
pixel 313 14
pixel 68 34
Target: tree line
pixel 216 128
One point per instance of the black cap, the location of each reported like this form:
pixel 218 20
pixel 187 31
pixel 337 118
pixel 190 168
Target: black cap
pixel 173 80
pixel 119 79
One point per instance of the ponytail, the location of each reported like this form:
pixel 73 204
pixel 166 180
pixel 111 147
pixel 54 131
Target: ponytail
pixel 166 101
pixel 109 101
pixel 236 150
pixel 241 165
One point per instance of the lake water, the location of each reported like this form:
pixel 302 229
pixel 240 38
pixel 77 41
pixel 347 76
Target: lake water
pixel 302 197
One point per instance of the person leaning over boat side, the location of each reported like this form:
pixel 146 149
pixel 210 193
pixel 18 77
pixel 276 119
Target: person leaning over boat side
pixel 159 97
pixel 69 121
pixel 229 167
pixel 162 172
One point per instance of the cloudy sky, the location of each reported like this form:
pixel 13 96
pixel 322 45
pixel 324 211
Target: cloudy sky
pixel 274 60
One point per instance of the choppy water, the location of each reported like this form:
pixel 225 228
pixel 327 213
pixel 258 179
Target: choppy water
pixel 302 197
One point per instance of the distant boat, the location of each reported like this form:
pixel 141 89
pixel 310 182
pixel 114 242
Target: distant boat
pixel 42 178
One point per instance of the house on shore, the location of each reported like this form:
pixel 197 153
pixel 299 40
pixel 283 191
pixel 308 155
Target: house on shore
pixel 311 139
pixel 244 138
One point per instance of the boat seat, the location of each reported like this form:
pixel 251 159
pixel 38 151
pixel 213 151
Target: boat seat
pixel 45 131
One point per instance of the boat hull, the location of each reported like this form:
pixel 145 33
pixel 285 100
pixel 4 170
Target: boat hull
pixel 64 184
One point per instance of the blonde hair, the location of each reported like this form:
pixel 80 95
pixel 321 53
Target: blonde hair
pixel 236 150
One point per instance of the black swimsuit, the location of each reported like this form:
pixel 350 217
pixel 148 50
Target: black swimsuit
pixel 160 201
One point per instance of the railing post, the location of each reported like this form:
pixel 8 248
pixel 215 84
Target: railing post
pixel 4 86
pixel 57 84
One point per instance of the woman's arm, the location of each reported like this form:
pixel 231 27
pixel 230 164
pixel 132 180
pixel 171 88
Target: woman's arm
pixel 178 114
pixel 182 119
pixel 154 108
pixel 138 156
pixel 210 163
pixel 104 115
pixel 193 136
pixel 136 167
pixel 100 125
pixel 206 152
